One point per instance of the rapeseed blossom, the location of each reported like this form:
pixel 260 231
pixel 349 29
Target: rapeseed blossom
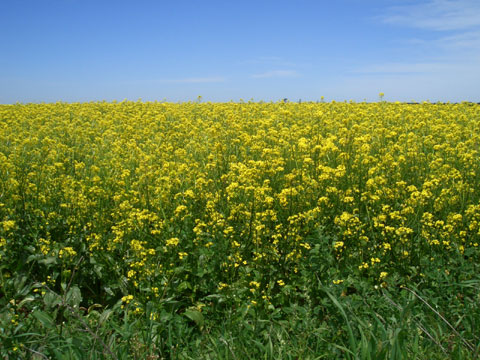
pixel 183 199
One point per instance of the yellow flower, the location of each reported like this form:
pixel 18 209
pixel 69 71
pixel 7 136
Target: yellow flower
pixel 254 284
pixel 222 286
pixel 172 242
pixel 8 225
pixel 127 299
pixel 66 252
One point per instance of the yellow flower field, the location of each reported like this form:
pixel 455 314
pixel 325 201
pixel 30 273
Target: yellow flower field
pixel 192 199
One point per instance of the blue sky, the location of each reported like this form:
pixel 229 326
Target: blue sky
pixel 84 50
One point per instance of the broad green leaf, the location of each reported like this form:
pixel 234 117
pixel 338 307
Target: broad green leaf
pixel 45 319
pixel 51 299
pixel 74 296
pixel 195 316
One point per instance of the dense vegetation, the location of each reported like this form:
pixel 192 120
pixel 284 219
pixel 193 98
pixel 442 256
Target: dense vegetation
pixel 239 230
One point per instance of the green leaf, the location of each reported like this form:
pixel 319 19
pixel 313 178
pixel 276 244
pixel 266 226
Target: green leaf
pixel 48 261
pixel 93 307
pixel 45 319
pixel 74 296
pixel 51 299
pixel 104 317
pixel 28 299
pixel 108 290
pixel 98 270
pixel 353 343
pixel 184 286
pixel 19 283
pixel 34 257
pixel 195 316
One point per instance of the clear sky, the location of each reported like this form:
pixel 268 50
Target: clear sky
pixel 89 50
